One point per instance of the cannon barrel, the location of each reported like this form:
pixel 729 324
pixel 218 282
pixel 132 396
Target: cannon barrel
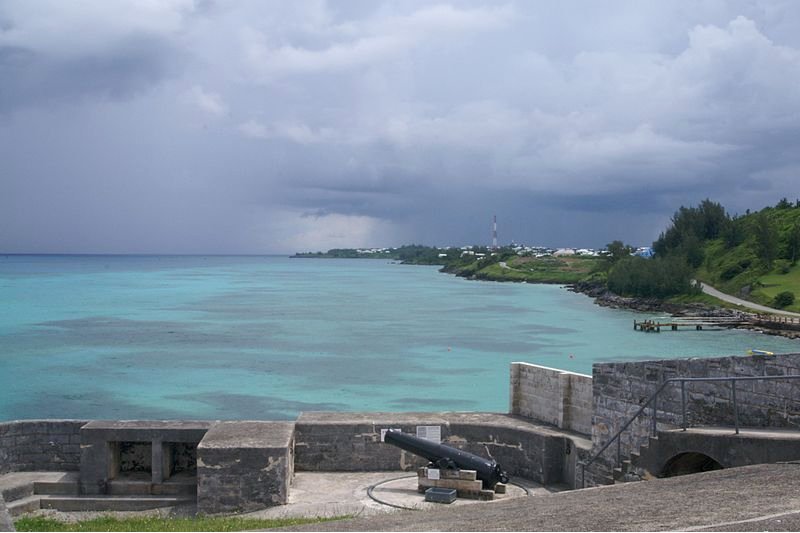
pixel 442 456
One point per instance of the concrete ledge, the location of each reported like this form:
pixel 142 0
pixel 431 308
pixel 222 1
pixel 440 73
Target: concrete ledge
pixel 147 430
pixel 244 466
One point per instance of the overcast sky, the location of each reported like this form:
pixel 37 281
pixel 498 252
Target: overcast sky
pixel 182 126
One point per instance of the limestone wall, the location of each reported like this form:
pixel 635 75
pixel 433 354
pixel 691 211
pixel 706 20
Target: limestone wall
pixel 352 442
pixel 244 466
pixel 557 397
pixel 40 445
pixel 620 388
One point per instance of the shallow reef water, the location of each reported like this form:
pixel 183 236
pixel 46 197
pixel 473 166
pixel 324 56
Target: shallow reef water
pixel 212 337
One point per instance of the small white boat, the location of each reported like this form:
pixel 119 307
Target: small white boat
pixel 759 352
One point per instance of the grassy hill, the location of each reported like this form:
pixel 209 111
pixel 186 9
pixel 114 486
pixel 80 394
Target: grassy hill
pixel 511 267
pixel 735 263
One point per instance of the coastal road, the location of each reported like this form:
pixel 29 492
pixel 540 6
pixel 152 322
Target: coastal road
pixel 711 291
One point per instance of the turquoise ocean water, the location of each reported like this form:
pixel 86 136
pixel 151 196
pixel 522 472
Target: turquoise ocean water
pixel 267 337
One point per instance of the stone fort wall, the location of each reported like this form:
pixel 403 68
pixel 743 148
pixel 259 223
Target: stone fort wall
pixel 542 439
pixel 49 445
pixel 328 441
pixel 619 389
pixel 557 397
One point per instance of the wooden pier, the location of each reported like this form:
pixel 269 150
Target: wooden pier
pixel 696 323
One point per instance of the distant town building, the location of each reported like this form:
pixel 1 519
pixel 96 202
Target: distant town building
pixel 564 251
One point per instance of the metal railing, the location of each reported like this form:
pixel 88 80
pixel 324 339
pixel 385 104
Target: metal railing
pixel 653 399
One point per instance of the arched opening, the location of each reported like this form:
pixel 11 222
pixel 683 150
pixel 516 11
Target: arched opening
pixel 689 463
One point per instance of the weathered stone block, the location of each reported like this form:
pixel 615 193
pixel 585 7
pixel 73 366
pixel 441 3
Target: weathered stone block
pixel 244 466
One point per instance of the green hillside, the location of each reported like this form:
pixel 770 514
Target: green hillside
pixel 754 257
pixel 506 265
pixel 757 259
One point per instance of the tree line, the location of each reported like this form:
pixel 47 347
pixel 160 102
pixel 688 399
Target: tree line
pixel 763 239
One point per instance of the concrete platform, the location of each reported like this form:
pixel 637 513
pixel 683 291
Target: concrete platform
pixel 345 493
pixel 327 494
pixel 751 498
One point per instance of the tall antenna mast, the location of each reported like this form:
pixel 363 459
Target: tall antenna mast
pixel 494 233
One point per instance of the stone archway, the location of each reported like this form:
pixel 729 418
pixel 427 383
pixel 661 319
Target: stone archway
pixel 689 463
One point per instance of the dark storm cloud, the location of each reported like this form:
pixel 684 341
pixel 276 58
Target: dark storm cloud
pixel 33 79
pixel 184 126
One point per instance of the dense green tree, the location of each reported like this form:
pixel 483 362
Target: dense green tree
pixel 793 244
pixel 766 238
pixel 706 221
pixel 733 234
pixel 692 249
pixel 659 277
pixel 617 251
pixel 714 219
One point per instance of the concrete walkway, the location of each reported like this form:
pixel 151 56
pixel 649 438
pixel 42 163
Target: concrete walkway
pixel 751 498
pixel 711 291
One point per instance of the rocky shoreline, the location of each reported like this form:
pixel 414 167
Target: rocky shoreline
pixel 605 298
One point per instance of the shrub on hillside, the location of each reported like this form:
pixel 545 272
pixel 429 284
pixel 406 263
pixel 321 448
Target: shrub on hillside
pixel 784 299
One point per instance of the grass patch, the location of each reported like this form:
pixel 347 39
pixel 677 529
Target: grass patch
pixel 497 273
pixel 701 298
pixel 774 283
pixel 157 523
pixel 561 270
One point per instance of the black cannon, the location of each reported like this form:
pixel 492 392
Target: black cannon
pixel 446 457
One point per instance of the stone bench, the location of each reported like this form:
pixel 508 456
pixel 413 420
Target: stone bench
pixel 244 466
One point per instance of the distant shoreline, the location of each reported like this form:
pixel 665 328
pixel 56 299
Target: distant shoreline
pixel 600 295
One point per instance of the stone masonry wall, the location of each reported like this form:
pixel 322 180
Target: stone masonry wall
pixel 40 445
pixel 351 442
pixel 621 388
pixel 557 397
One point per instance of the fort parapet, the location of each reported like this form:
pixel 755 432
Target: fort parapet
pixel 556 420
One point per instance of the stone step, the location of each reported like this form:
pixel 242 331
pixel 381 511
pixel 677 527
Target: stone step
pixel 111 503
pixel 186 487
pixel 17 491
pixel 63 488
pixel 24 505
